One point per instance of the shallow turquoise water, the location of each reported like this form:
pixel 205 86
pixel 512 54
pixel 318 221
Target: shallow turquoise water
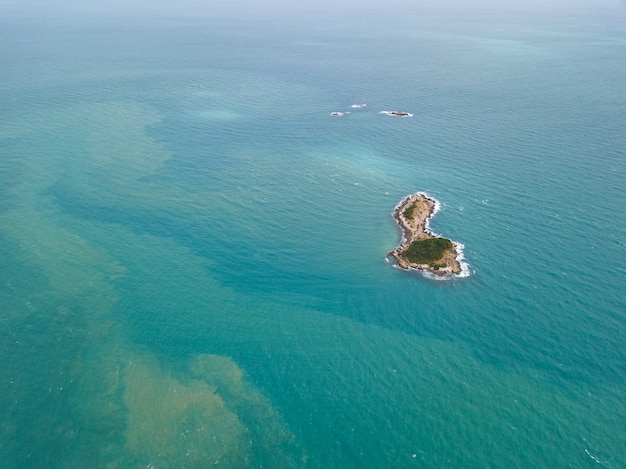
pixel 192 250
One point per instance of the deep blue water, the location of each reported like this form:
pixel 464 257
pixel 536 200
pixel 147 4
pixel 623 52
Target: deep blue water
pixel 192 249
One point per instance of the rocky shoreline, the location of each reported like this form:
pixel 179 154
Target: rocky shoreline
pixel 420 209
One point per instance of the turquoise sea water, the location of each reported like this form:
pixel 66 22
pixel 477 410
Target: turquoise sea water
pixel 192 249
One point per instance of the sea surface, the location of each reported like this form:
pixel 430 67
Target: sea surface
pixel 192 249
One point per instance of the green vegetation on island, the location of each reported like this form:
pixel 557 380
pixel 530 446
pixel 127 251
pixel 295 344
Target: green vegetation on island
pixel 409 212
pixel 427 251
pixel 416 207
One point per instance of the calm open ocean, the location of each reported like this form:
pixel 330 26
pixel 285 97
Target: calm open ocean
pixel 192 249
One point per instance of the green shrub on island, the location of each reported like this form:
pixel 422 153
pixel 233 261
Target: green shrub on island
pixel 426 251
pixel 409 212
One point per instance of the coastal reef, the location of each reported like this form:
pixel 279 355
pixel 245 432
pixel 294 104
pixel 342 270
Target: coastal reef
pixel 420 249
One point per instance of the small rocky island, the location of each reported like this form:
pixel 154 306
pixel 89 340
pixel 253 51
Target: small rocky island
pixel 364 106
pixel 396 113
pixel 420 249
